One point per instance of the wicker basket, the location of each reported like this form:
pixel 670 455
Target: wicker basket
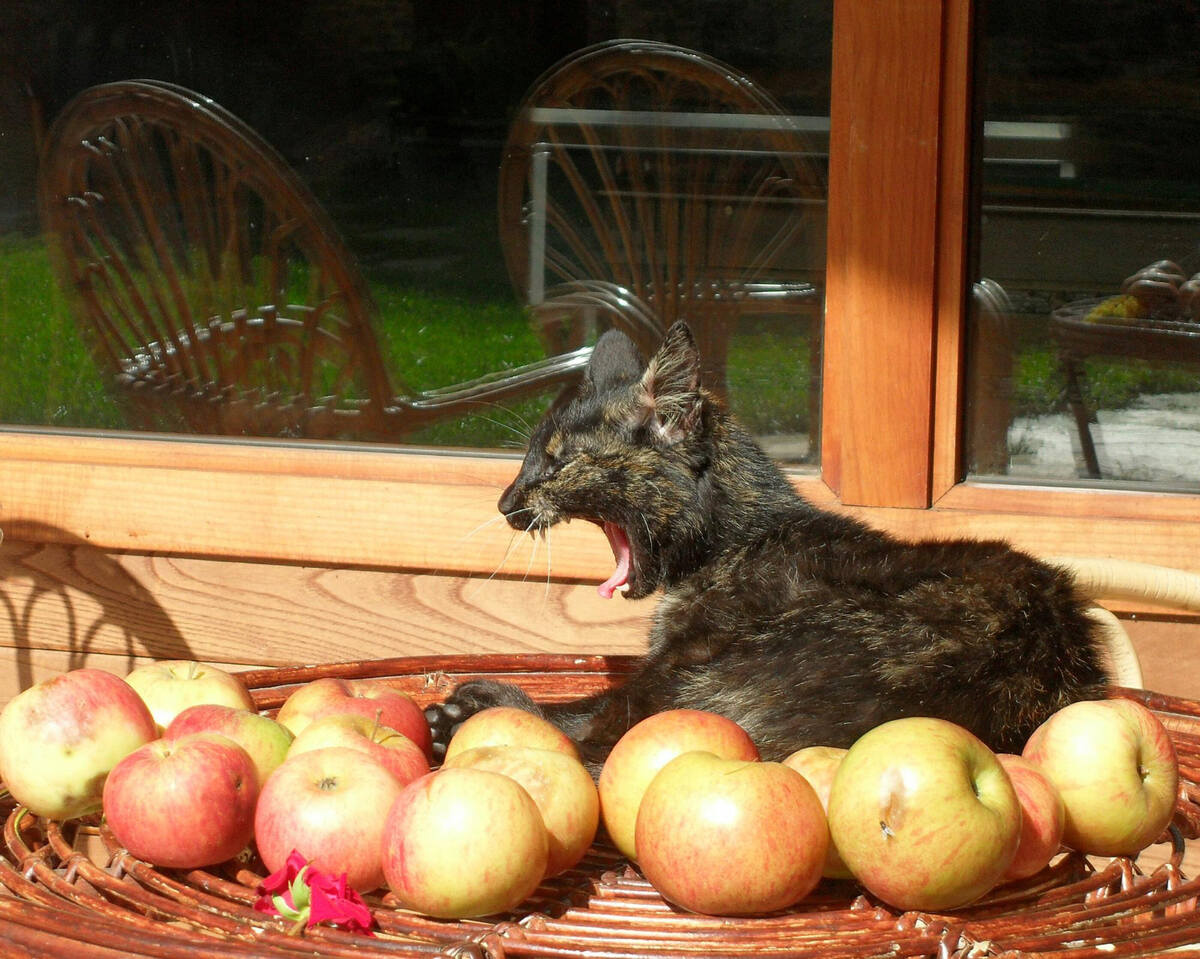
pixel 72 892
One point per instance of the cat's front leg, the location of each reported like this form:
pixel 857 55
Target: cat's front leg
pixel 465 701
pixel 594 723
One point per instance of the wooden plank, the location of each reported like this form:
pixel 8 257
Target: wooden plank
pixel 1159 542
pixel 70 608
pixel 362 509
pixel 1150 528
pixel 277 502
pixel 79 601
pixel 1092 505
pixel 883 202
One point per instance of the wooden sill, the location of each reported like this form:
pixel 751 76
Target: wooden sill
pixel 434 511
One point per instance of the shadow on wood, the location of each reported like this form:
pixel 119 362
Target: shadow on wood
pixel 70 594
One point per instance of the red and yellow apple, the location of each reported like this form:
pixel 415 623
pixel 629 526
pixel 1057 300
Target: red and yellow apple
pixel 462 843
pixel 398 754
pixel 648 746
pixel 376 700
pixel 1114 766
pixel 170 686
pixel 60 738
pixel 560 785
pixel 265 740
pixel 818 765
pixel 509 726
pixel 329 805
pixel 183 803
pixel 924 815
pixel 730 837
pixel 1042 817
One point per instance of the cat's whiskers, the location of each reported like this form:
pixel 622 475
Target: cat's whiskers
pixel 498 518
pixel 512 539
pixel 508 551
pixel 532 530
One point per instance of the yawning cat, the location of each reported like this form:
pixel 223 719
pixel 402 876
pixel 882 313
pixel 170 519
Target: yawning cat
pixel 803 626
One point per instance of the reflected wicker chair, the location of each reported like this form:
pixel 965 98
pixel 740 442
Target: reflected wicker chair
pixel 1077 338
pixel 643 183
pixel 213 286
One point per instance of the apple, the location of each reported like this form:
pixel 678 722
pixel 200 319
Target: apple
pixel 363 697
pixel 1042 817
pixel 560 786
pixel 731 837
pixel 398 754
pixel 924 814
pixel 462 843
pixel 1114 765
pixel 509 726
pixel 329 805
pixel 818 765
pixel 60 738
pixel 183 803
pixel 649 745
pixel 263 738
pixel 170 686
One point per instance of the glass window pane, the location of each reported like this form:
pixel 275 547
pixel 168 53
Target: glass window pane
pixel 1084 362
pixel 400 222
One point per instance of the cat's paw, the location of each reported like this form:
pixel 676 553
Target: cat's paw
pixel 446 717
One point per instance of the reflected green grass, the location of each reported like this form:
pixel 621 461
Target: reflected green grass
pixel 432 339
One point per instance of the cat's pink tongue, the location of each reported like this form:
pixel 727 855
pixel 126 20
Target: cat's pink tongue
pixel 620 547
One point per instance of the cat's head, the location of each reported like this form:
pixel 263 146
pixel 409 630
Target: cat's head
pixel 628 451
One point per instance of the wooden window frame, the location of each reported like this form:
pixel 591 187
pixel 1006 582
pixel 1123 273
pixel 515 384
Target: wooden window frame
pixel 891 438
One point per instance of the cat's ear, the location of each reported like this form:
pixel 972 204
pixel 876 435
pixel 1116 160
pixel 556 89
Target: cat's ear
pixel 671 385
pixel 615 361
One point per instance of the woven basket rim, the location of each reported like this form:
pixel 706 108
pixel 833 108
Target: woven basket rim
pixel 63 900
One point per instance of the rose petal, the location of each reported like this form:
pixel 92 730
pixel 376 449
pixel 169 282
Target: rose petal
pixel 349 913
pixel 266 904
pixel 326 883
pixel 282 877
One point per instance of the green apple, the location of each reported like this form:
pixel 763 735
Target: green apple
pixel 731 837
pixel 263 738
pixel 403 758
pixel 923 814
pixel 561 787
pixel 1042 817
pixel 819 764
pixel 170 686
pixel 462 843
pixel 60 738
pixel 375 699
pixel 1114 765
pixel 509 726
pixel 648 746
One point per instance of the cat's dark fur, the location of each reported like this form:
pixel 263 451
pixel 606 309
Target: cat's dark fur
pixel 803 626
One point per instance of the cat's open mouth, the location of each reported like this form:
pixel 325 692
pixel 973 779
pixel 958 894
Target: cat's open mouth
pixel 619 580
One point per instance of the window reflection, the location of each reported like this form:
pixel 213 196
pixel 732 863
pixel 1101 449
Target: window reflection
pixel 395 118
pixel 1085 330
